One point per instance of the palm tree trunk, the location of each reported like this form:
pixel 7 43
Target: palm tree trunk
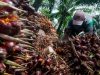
pixel 37 4
pixel 51 5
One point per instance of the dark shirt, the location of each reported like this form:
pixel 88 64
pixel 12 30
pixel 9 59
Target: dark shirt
pixel 87 26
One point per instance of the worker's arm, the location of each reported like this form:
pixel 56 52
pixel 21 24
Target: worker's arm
pixel 89 27
pixel 95 23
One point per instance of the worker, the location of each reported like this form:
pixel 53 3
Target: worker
pixel 79 23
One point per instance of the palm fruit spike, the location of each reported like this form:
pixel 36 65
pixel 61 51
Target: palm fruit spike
pixel 4 4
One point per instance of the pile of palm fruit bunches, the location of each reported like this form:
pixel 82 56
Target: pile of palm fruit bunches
pixel 29 45
pixel 82 54
pixel 26 43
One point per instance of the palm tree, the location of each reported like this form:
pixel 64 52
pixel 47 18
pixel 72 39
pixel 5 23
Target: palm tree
pixel 37 4
pixel 64 6
pixel 51 5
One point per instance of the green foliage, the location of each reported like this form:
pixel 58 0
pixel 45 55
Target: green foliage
pixel 31 2
pixel 45 11
pixel 64 25
pixel 88 1
pixel 65 9
pixel 64 12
